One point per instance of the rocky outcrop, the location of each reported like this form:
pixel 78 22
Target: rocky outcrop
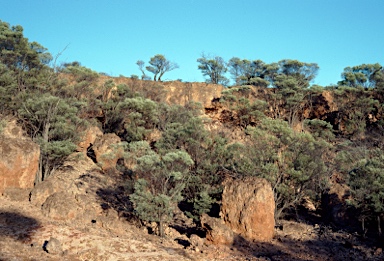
pixel 107 150
pixel 175 92
pixel 182 93
pixel 60 206
pixel 62 180
pixel 217 232
pixel 72 193
pixel 19 159
pixel 88 137
pixel 248 208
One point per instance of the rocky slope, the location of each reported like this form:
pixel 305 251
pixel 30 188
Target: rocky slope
pixel 81 212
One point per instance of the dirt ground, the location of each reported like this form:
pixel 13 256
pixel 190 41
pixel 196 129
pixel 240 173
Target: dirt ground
pixel 25 234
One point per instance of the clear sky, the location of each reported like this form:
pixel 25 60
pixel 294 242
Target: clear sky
pixel 110 36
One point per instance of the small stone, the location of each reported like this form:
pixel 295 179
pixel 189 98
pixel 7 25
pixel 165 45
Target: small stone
pixel 196 240
pixel 53 246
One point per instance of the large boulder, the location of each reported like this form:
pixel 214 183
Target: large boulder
pixel 61 206
pixel 19 159
pixel 248 208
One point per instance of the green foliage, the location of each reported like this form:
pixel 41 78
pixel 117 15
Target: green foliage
pixel 245 72
pixel 161 181
pixel 25 59
pixel 214 68
pixel 366 182
pixel 320 129
pixel 183 129
pixel 355 106
pixel 140 117
pixel 150 207
pixel 158 66
pixel 245 113
pixel 365 75
pixel 296 74
pixel 202 203
pixel 85 82
pixel 130 118
pixel 292 162
pixel 52 123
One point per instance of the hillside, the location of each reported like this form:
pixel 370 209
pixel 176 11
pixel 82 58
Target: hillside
pixel 271 168
pixel 107 234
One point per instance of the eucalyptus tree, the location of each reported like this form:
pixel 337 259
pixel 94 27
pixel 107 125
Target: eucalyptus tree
pixel 246 72
pixel 214 68
pixel 364 75
pixel 158 66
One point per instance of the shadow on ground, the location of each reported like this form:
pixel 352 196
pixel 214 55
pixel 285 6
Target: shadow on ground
pixel 17 226
pixel 303 250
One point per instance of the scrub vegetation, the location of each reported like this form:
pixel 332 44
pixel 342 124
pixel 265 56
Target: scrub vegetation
pixel 280 137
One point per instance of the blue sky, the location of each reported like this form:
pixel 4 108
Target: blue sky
pixel 110 36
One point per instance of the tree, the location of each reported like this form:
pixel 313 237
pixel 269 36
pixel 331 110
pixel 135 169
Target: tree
pixel 159 66
pixel 248 72
pixel 320 129
pixel 295 74
pixel 161 179
pixel 366 182
pixel 52 122
pixel 214 68
pixel 235 66
pixel 183 129
pixel 24 58
pixel 365 75
pixel 355 105
pixel 141 63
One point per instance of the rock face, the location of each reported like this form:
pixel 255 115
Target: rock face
pixel 106 151
pixel 182 93
pixel 88 137
pixel 248 208
pixel 71 193
pixel 19 159
pixel 177 92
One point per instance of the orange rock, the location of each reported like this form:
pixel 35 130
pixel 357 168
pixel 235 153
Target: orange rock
pixel 248 208
pixel 107 151
pixel 217 232
pixel 88 137
pixel 19 159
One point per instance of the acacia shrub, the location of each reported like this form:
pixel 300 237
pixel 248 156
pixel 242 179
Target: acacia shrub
pixel 160 181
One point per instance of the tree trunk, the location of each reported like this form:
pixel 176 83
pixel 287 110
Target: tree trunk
pixel 39 174
pixel 161 230
pixel 363 226
pixel 379 225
